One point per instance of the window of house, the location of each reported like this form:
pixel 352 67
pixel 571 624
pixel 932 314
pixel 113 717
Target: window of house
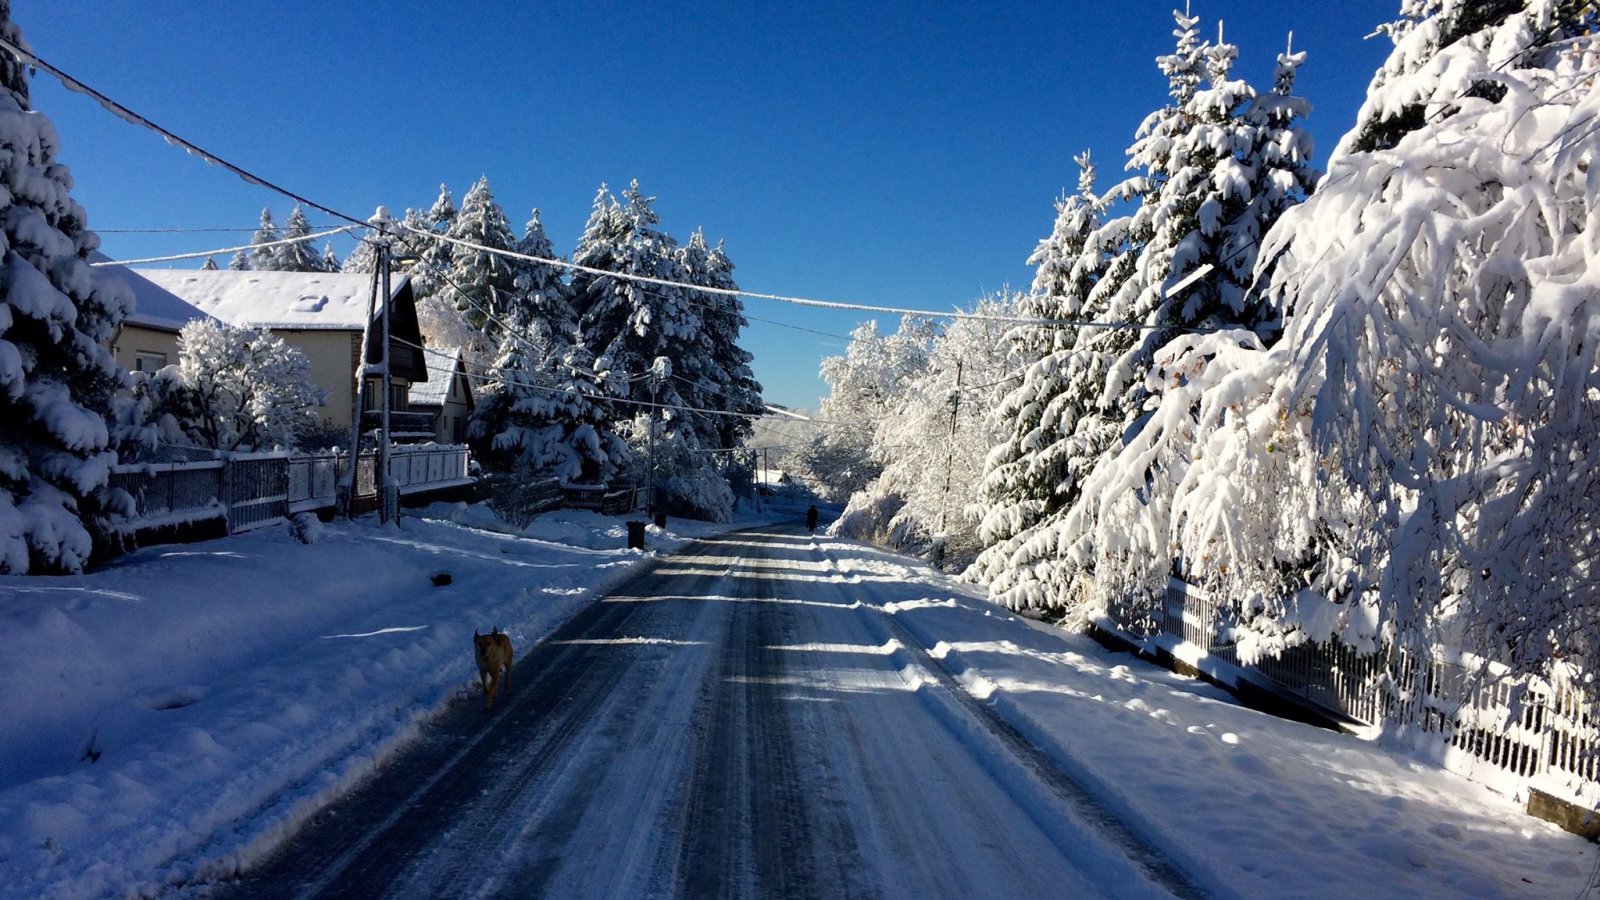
pixel 144 361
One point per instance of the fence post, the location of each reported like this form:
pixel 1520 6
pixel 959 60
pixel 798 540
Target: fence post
pixel 225 488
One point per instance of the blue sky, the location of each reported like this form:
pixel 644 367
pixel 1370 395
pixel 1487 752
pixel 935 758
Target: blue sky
pixel 903 154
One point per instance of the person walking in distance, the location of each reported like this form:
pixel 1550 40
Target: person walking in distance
pixel 811 518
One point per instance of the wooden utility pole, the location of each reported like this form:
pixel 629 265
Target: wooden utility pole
pixel 388 491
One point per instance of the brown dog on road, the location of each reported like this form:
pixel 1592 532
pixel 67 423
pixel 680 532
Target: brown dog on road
pixel 493 651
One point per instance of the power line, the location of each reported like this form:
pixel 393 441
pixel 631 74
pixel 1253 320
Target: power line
pixel 128 115
pixel 204 253
pixel 781 298
pixel 179 230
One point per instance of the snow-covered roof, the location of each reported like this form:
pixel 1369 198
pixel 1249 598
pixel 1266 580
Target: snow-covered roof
pixel 278 300
pixel 153 305
pixel 442 363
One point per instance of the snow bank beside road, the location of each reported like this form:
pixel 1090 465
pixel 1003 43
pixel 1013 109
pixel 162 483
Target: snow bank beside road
pixel 179 712
pixel 1250 805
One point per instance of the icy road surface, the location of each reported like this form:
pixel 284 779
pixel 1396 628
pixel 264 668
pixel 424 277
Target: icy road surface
pixel 731 723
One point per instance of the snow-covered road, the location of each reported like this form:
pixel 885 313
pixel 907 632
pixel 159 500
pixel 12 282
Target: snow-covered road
pixel 770 714
pixel 734 722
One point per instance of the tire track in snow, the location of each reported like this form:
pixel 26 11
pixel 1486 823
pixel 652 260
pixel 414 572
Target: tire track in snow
pixel 1073 792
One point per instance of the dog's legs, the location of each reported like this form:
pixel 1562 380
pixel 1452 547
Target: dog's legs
pixel 483 676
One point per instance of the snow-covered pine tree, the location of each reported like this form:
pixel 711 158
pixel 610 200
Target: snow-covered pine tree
pixel 1212 223
pixel 725 382
pixel 546 411
pixel 437 299
pixel 1423 445
pixel 1202 159
pixel 485 283
pixel 630 325
pixel 57 379
pixel 330 260
pixel 262 258
pixel 299 256
pixel 542 293
pixel 1046 418
pixel 210 265
pixel 364 259
pixel 1024 560
pixel 240 261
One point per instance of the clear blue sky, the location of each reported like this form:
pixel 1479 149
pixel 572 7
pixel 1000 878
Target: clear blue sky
pixel 900 154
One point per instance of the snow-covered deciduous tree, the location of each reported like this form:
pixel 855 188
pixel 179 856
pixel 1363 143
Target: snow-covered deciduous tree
pixel 865 385
pixel 933 443
pixel 57 379
pixel 237 388
pixel 1421 449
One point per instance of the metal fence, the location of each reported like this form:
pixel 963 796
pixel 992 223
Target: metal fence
pixel 609 500
pixel 1504 730
pixel 257 489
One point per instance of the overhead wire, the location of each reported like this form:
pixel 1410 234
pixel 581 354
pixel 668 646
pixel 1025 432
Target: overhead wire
pixel 28 57
pixel 223 250
pixel 782 298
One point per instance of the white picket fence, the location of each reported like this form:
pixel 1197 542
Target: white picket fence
pixel 1471 714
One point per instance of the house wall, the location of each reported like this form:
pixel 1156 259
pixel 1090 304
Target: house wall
pixel 133 340
pixel 332 355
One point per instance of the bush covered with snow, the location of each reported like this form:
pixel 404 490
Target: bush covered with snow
pixel 305 527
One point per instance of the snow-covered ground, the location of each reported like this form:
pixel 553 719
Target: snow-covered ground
pixel 176 714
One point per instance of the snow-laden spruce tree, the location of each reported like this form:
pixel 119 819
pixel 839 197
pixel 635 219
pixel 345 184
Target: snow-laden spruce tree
pixel 865 385
pixel 57 379
pixel 1203 161
pixel 632 326
pixel 546 411
pixel 1245 162
pixel 210 265
pixel 933 443
pixel 441 322
pixel 299 256
pixel 542 291
pixel 263 258
pixel 233 388
pixel 1046 422
pixel 240 262
pixel 718 377
pixel 1422 448
pixel 330 260
pixel 483 283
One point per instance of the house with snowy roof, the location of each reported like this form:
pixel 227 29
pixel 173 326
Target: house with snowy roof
pixel 446 395
pixel 147 339
pixel 321 313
